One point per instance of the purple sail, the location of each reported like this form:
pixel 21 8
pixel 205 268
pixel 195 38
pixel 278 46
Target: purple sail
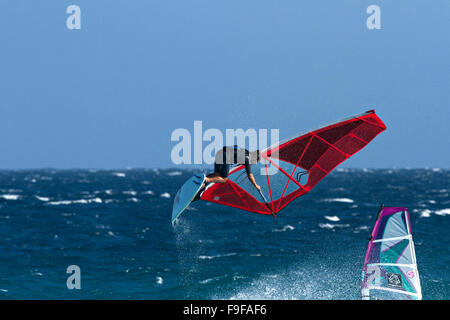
pixel 390 268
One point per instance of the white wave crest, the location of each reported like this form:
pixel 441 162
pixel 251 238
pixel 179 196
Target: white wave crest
pixel 45 199
pixel 119 174
pixel 332 226
pixel 425 213
pixel 69 202
pixel 217 256
pixel 344 200
pixel 442 212
pixel 285 228
pixel 11 197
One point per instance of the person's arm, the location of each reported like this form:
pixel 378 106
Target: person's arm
pixel 250 176
pixel 252 180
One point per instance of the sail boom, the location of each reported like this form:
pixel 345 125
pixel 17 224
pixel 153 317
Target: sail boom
pixel 392 239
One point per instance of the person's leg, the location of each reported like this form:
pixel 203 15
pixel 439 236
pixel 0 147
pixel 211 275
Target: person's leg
pixel 220 174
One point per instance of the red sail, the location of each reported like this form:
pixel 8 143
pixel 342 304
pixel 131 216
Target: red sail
pixel 292 168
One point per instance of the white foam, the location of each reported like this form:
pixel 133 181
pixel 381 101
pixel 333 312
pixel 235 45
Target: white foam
pixel 425 213
pixel 332 218
pixel 217 256
pixel 212 279
pixel 332 226
pixel 11 197
pixel 344 200
pixel 96 200
pixel 297 284
pixel 442 212
pixel 69 202
pixel 45 199
pixel 159 280
pixel 285 228
pixel 165 195
pixel 120 174
pixel 175 173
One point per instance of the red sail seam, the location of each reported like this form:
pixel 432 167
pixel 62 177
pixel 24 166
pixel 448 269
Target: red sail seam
pixel 346 155
pixel 354 136
pixel 232 184
pixel 239 195
pixel 296 165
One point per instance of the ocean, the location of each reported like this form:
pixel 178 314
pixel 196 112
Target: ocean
pixel 115 226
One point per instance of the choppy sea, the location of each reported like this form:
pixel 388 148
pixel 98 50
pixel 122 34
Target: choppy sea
pixel 115 225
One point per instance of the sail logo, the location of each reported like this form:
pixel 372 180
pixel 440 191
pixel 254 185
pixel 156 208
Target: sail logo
pixel 394 280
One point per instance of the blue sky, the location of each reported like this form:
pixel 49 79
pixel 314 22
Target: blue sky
pixel 110 95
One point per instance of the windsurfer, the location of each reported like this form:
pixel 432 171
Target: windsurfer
pixel 229 156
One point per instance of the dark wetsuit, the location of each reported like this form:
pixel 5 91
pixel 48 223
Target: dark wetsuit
pixel 229 156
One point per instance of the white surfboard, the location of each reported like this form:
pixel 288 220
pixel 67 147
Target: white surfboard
pixel 186 194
